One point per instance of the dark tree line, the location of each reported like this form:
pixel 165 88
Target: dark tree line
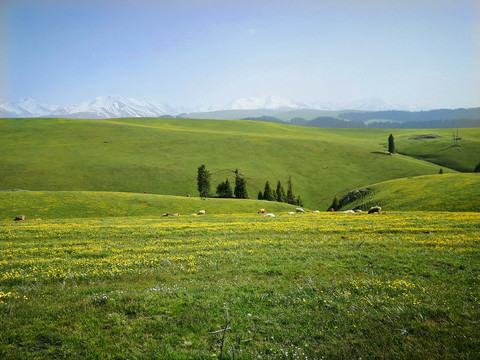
pixel 279 193
pixel 370 123
pixel 414 116
pixel 224 189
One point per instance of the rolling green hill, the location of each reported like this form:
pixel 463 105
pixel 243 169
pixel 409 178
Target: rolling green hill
pixel 161 156
pixel 94 204
pixel 446 192
pixel 436 146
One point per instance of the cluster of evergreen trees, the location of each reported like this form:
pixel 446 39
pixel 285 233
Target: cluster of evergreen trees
pixel 279 194
pixel 224 189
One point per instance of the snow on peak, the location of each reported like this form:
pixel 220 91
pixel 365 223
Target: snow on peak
pixel 271 103
pixel 118 106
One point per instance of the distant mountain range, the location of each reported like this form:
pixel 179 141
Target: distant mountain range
pixel 371 113
pixel 116 106
pixel 102 107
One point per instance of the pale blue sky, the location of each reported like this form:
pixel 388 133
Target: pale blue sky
pixel 415 52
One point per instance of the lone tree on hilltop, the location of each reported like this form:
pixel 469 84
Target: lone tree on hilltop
pixel 203 181
pixel 391 144
pixel 240 186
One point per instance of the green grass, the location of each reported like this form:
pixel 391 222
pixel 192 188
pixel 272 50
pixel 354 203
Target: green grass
pixel 443 192
pixel 79 204
pixel 161 156
pixel 440 150
pixel 314 286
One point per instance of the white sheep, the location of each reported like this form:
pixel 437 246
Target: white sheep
pixel 269 215
pixel 201 212
pixel 299 210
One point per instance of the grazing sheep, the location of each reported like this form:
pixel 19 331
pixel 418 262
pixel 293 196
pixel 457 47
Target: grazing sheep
pixel 291 213
pixel 201 212
pixel 315 211
pixel 347 212
pixel 176 215
pixel 299 210
pixel 19 218
pixel 358 211
pixel 261 211
pixel 269 215
pixel 375 209
pixel 167 214
pixel 193 214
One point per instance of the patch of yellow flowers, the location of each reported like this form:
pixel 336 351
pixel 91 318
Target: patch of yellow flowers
pixel 108 248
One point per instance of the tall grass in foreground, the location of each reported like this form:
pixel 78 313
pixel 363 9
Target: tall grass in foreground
pixel 402 285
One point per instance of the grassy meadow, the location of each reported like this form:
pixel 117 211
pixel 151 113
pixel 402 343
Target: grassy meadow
pixel 96 272
pixel 95 204
pixel 161 156
pixel 442 192
pixel 304 286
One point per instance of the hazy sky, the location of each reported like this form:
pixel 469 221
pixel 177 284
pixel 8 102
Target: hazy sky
pixel 414 52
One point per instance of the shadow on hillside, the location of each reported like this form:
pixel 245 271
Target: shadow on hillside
pixel 380 152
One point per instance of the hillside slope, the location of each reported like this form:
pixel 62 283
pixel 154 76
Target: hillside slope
pixel 161 156
pixel 446 192
pixel 437 146
pixel 94 204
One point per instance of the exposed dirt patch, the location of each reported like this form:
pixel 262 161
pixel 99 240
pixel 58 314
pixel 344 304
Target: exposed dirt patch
pixel 422 137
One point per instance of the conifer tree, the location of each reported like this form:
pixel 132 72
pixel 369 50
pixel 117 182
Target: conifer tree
pixel 260 195
pixel 290 196
pixel 224 190
pixel 391 144
pixel 477 168
pixel 228 189
pixel 441 171
pixel 240 186
pixel 335 204
pixel 281 196
pixel 298 201
pixel 268 193
pixel 203 181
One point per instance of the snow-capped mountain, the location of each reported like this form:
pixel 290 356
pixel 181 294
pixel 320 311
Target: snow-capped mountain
pixel 100 108
pixel 116 106
pixel 270 103
pixel 368 105
pixel 25 107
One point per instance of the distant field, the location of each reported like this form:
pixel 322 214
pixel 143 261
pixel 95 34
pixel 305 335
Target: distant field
pixel 161 156
pixel 305 286
pixel 440 149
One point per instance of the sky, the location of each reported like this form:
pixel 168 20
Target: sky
pixel 418 53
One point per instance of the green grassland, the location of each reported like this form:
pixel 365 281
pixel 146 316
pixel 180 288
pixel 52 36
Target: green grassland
pixel 161 156
pixel 304 286
pixel 444 192
pixel 95 204
pixel 440 150
pixel 102 275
